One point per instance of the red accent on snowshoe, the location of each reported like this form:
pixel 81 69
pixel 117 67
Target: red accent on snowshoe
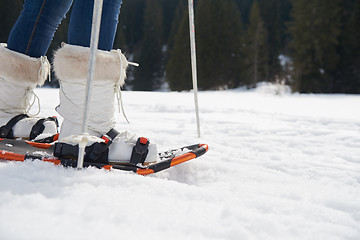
pixel 56 137
pixel 182 158
pixel 143 140
pixel 54 161
pixel 12 156
pixel 204 146
pixel 196 150
pixel 144 171
pixel 39 145
pixel 106 139
pixel 107 167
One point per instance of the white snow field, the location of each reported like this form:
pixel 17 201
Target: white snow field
pixel 278 167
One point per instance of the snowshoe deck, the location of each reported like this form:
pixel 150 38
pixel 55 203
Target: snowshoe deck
pixel 19 150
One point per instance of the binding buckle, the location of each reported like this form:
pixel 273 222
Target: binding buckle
pixel 96 153
pixel 140 151
pixel 39 126
pixel 6 131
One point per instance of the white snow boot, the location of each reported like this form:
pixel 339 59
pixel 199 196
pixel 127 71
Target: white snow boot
pixel 19 75
pixel 71 67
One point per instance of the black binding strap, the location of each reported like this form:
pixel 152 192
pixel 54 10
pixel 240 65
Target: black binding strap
pixel 64 150
pixel 99 152
pixel 96 153
pixel 140 151
pixel 6 131
pixel 39 126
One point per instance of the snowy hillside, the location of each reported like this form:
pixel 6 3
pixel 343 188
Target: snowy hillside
pixel 278 167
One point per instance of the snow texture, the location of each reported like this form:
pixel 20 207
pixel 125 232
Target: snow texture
pixel 279 167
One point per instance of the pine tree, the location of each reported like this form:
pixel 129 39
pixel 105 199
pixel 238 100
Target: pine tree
pixel 244 7
pixel 178 69
pixel 148 74
pixel 169 13
pixel 275 13
pixel 315 29
pixel 256 49
pixel 131 22
pixel 232 31
pixel 178 17
pixel 348 73
pixel 120 39
pixel 9 12
pixel 218 31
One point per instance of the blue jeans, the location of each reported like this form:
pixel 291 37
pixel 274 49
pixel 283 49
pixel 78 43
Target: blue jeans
pixel 39 19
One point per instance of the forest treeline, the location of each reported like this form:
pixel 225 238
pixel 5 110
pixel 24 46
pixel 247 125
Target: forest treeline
pixel 312 45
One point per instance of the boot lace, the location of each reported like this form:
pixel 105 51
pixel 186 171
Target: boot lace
pixel 43 73
pixel 44 70
pixel 128 137
pixel 123 65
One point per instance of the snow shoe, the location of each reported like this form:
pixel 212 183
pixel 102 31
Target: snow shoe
pixel 71 68
pixel 19 75
pixel 20 150
pixel 116 148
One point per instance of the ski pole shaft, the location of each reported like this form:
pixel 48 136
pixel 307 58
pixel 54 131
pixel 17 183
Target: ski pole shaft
pixel 95 32
pixel 193 62
pixel 81 155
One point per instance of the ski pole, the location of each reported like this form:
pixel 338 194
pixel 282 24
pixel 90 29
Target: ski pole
pixel 193 61
pixel 95 32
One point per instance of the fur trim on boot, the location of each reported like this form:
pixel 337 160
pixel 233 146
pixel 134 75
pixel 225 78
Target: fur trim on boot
pixel 21 69
pixel 71 67
pixel 19 75
pixel 72 63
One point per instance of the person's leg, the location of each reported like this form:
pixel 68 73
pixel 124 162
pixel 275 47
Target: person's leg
pixel 36 25
pixel 24 66
pixel 71 68
pixel 19 75
pixel 81 22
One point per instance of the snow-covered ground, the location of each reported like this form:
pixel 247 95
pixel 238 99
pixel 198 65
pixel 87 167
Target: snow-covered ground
pixel 278 167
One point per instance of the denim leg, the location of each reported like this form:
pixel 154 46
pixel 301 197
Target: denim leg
pixel 81 22
pixel 36 25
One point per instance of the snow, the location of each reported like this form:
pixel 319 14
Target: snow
pixel 278 167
